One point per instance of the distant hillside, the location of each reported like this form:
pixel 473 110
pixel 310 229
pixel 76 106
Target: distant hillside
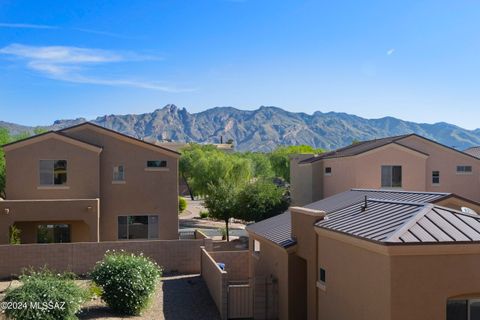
pixel 267 127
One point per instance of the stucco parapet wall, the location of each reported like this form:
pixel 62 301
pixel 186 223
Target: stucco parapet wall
pixel 48 209
pixel 309 212
pixel 401 249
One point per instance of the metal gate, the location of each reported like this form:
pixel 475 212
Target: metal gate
pixel 265 302
pixel 240 301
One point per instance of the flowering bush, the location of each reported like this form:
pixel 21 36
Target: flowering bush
pixel 44 295
pixel 128 281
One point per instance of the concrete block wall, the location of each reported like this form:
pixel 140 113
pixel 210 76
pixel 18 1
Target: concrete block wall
pixel 236 263
pixel 179 255
pixel 216 281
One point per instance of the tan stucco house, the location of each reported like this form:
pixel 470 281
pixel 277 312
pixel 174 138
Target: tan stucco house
pixel 407 162
pixel 89 183
pixel 369 254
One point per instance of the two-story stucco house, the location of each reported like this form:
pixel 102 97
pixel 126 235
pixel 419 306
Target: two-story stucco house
pixel 407 162
pixel 89 183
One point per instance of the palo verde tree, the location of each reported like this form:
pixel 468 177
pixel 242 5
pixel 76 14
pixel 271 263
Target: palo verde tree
pixel 261 200
pixel 280 159
pixel 221 201
pixel 202 166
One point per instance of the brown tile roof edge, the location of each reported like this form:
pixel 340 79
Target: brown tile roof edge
pixel 118 133
pixel 374 144
pixel 50 132
pixel 474 151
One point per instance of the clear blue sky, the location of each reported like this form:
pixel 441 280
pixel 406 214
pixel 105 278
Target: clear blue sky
pixel 416 60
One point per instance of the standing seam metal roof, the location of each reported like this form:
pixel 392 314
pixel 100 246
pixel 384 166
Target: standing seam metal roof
pixel 395 223
pixel 278 228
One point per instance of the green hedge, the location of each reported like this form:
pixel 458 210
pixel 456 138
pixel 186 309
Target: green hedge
pixel 45 295
pixel 128 281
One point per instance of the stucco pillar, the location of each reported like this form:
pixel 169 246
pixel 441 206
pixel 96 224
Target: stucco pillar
pixel 303 230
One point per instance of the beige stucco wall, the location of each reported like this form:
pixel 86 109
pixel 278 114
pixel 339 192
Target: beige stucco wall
pixel 424 279
pixel 272 261
pixel 32 212
pixel 446 161
pixel 23 176
pixel 301 180
pixel 145 192
pixel 216 281
pixel 372 281
pixel 357 282
pixel 364 170
pixel 236 263
pixel 303 231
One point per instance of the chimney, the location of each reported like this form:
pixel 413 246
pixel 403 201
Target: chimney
pixel 365 205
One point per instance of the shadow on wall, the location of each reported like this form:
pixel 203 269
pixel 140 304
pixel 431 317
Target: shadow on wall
pixel 187 297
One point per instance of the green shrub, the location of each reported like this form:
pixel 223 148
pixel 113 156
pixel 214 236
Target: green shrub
pixel 182 204
pixel 44 295
pixel 128 281
pixel 14 234
pixel 203 214
pixel 223 232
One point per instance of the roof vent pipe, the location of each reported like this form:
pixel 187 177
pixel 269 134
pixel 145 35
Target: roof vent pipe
pixel 365 205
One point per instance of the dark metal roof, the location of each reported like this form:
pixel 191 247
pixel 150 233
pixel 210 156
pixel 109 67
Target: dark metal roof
pixel 353 196
pixel 394 222
pixel 36 136
pixel 65 132
pixel 474 151
pixel 355 149
pixel 278 229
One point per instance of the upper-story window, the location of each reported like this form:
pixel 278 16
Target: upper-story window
pixel 391 176
pixel 53 172
pixel 328 171
pixel 464 169
pixel 156 163
pixel 119 173
pixel 435 177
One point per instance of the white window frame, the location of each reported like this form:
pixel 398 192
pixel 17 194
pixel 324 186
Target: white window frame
pixel 464 172
pixel 52 185
pixel 115 179
pixel 391 166
pixel 327 173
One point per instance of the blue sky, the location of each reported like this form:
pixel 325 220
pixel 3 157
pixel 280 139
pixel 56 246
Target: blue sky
pixel 416 60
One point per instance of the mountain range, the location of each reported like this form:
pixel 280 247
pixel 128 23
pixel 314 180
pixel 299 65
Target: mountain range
pixel 265 128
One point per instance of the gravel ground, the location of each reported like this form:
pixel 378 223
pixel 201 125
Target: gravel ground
pixel 179 297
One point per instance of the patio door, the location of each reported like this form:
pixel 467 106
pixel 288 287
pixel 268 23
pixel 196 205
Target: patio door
pixel 53 233
pixel 463 309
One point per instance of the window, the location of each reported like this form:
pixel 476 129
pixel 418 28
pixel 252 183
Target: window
pixel 435 177
pixel 118 173
pixel 464 169
pixel 256 246
pixel 328 171
pixel 157 164
pixel 323 275
pixel 53 233
pixel 138 227
pixel 391 176
pixel 463 309
pixel 53 172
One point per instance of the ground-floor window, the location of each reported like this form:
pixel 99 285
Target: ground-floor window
pixel 53 233
pixel 138 227
pixel 463 309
